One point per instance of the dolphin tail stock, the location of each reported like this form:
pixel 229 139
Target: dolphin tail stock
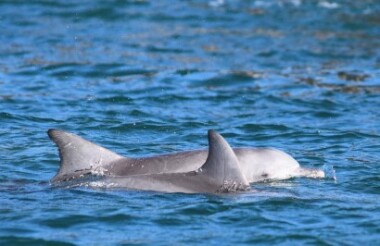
pixel 222 165
pixel 79 156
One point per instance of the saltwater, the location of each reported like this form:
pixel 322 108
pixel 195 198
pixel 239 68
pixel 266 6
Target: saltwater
pixel 150 77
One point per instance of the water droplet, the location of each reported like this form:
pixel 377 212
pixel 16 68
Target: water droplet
pixel 329 171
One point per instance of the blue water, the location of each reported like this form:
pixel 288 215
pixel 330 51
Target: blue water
pixel 151 77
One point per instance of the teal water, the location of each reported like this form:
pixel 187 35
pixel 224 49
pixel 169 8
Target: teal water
pixel 151 77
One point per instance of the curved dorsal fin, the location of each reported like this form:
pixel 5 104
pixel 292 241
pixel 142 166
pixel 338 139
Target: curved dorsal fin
pixel 222 164
pixel 78 155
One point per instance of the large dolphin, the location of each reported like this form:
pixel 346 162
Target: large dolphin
pixel 219 174
pixel 79 157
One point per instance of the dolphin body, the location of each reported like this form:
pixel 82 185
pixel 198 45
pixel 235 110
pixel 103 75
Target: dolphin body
pixel 219 174
pixel 187 171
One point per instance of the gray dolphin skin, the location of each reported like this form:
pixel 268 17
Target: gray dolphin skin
pixel 187 171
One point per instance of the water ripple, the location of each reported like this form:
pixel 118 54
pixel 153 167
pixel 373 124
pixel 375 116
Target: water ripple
pixel 149 77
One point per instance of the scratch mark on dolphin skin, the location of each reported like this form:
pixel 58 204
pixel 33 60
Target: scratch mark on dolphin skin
pixel 67 145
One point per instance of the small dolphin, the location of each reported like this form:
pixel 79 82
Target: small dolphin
pixel 80 157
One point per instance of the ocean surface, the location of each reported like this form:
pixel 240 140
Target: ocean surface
pixel 151 77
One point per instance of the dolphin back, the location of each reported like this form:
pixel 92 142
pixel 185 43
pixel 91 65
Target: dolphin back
pixel 78 156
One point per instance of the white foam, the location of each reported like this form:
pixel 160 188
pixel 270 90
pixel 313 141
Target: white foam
pixel 328 5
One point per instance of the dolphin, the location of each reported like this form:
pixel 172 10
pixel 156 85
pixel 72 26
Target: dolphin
pixel 80 158
pixel 220 173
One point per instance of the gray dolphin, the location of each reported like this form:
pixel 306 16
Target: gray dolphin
pixel 219 174
pixel 79 157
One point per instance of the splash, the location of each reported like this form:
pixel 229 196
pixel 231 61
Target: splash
pixel 232 186
pixel 99 171
pixel 216 3
pixel 329 171
pixel 328 5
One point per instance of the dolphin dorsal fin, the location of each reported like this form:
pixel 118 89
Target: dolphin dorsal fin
pixel 222 165
pixel 78 155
